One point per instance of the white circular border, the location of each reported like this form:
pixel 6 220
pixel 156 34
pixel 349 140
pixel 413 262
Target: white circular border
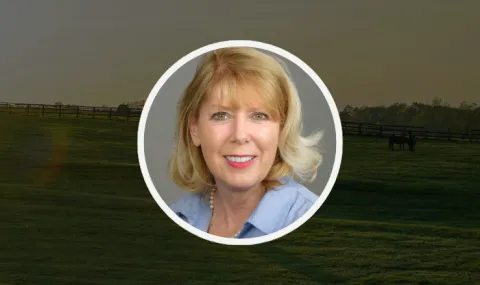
pixel 338 152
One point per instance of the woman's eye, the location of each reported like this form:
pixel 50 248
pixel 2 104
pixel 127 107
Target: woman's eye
pixel 220 116
pixel 260 116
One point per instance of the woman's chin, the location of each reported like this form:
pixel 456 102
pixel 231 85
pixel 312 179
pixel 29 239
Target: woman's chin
pixel 239 185
pixel 239 181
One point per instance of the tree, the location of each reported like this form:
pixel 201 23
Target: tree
pixel 465 105
pixel 435 117
pixel 123 110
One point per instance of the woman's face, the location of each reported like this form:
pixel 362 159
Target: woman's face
pixel 238 145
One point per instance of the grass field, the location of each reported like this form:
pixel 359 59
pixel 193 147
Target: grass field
pixel 75 210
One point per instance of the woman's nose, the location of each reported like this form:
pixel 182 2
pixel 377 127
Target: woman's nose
pixel 240 132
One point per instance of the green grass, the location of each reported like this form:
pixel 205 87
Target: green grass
pixel 75 210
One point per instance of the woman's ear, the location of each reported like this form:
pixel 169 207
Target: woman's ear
pixel 193 127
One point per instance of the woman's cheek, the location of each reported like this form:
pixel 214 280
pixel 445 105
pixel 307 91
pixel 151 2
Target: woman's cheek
pixel 267 133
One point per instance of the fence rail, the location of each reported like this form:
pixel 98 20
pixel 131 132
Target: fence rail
pixel 70 111
pixel 365 129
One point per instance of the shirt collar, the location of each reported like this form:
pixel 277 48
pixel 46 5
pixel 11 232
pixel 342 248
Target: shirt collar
pixel 274 207
pixel 267 217
pixel 194 207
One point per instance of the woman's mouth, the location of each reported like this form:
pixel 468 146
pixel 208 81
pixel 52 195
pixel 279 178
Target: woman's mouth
pixel 242 161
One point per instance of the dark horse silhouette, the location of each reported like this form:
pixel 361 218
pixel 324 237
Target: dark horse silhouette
pixel 401 141
pixel 412 141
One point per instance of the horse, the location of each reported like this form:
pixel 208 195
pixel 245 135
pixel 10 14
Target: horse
pixel 400 140
pixel 411 141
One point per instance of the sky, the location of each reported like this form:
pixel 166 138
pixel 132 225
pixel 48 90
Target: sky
pixel 366 52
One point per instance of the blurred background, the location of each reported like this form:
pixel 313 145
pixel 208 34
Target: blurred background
pixel 75 208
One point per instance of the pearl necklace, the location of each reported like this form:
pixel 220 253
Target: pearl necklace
pixel 212 193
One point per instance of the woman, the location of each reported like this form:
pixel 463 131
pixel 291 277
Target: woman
pixel 239 149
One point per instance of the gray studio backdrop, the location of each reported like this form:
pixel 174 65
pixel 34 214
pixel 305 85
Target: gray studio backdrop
pixel 160 127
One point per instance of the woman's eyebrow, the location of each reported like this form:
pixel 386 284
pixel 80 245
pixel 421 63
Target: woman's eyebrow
pixel 248 108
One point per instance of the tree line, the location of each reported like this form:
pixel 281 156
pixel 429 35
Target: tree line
pixel 439 115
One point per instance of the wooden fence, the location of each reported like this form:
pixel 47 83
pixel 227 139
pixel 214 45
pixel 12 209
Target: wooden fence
pixel 365 129
pixel 71 111
pixel 114 113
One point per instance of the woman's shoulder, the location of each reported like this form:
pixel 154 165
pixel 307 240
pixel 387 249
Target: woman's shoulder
pixel 282 206
pixel 300 198
pixel 188 204
pixel 299 192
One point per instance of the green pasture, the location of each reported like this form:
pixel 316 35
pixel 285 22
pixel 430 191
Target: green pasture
pixel 75 210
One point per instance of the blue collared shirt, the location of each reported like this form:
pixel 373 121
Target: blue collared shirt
pixel 277 209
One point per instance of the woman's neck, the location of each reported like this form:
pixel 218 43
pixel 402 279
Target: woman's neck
pixel 233 207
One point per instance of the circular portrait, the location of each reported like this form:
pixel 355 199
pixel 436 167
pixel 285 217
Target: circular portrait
pixel 240 142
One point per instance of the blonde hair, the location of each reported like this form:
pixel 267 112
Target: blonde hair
pixel 220 72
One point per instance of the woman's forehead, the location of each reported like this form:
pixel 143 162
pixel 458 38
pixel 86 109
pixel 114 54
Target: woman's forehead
pixel 238 97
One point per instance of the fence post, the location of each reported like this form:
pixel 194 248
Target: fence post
pixel 43 110
pixel 9 109
pixel 360 129
pixel 128 113
pixel 110 114
pixel 94 113
pixel 59 111
pixel 381 130
pixel 449 134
